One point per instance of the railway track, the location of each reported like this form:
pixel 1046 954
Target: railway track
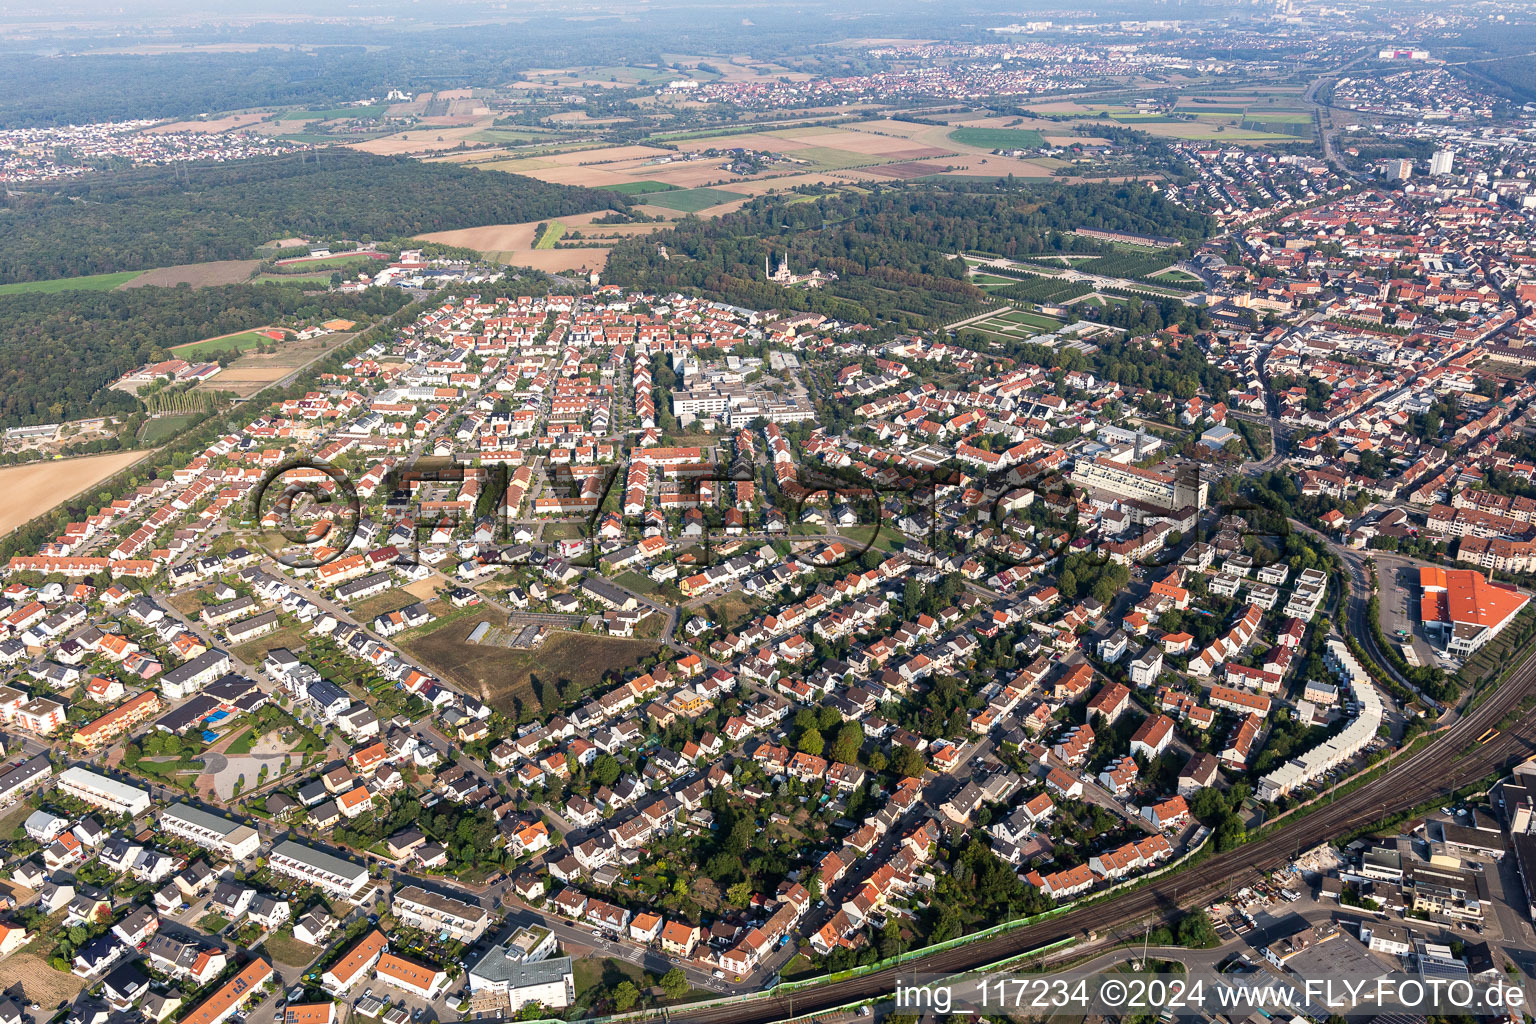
pixel 1438 770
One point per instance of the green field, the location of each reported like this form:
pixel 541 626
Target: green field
pixel 553 232
pixel 333 114
pixel 826 158
pixel 159 428
pixel 692 200
pixel 91 283
pixel 233 343
pixel 1039 320
pixel 639 188
pixel 327 263
pixel 997 138
pixel 507 135
pixel 1273 118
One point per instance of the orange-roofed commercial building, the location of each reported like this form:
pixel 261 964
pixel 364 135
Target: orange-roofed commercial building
pixel 1466 608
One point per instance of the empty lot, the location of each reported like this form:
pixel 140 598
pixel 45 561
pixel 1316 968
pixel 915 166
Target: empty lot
pixel 504 677
pixel 34 489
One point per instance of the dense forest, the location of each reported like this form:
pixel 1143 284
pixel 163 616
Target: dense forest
pixel 59 351
pixel 892 249
pixel 164 216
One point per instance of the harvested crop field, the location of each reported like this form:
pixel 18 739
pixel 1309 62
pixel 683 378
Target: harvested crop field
pixel 504 677
pixel 911 169
pixel 513 243
pixel 254 371
pixel 197 274
pixel 212 126
pixel 33 489
pixel 421 140
pixel 33 974
pixel 553 261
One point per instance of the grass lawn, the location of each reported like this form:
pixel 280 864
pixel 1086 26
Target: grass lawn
pixel 368 608
pixel 293 637
pixel 332 114
pixel 89 283
pixel 156 431
pixel 643 584
pixel 1036 320
pixel 288 950
pixel 998 138
pixel 692 200
pixel 590 971
pixel 553 232
pixel 242 744
pixel 166 769
pixel 729 610
pixel 637 188
pixel 232 343
pixel 14 819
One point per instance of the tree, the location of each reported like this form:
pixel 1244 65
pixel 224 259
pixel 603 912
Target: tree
pixel 849 739
pixel 811 742
pixel 625 995
pixel 674 983
pixel 907 762
pixel 1196 931
pixel 1067 584
pixel 739 895
pixel 605 770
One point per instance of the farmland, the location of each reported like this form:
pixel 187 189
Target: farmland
pixel 334 113
pixel 33 489
pixel 551 234
pixel 196 274
pixel 505 678
pixel 91 282
pixel 254 371
pixel 692 200
pixel 998 138
pixel 636 188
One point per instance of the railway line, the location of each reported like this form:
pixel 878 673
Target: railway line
pixel 1454 759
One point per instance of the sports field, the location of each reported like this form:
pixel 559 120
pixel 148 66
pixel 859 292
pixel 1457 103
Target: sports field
pixel 227 343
